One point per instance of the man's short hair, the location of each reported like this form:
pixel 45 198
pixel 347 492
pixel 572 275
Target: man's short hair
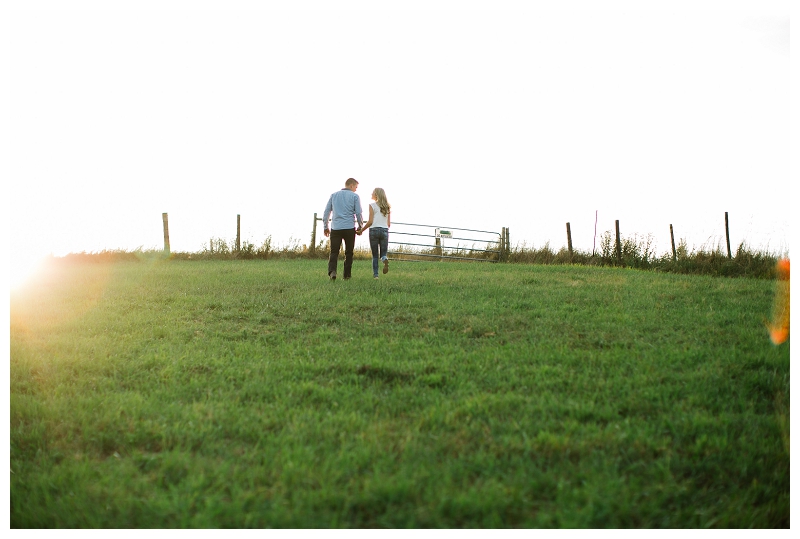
pixel 350 182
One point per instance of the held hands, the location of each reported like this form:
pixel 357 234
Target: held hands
pixel 359 230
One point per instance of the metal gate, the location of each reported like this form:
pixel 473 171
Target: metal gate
pixel 423 242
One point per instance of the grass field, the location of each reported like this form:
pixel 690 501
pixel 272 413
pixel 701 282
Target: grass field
pixel 260 394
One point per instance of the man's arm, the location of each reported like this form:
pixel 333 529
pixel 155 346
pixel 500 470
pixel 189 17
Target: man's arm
pixel 358 212
pixel 327 214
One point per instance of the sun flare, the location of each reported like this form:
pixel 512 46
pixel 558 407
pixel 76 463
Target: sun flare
pixel 23 267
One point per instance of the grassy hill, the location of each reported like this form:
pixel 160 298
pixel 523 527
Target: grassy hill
pixel 257 393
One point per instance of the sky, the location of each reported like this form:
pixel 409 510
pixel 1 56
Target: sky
pixel 478 115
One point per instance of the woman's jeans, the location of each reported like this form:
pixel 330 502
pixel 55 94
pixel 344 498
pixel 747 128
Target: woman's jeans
pixel 378 240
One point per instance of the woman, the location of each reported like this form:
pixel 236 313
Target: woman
pixel 380 221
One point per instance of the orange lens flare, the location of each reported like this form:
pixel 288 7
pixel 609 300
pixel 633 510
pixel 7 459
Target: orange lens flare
pixel 779 327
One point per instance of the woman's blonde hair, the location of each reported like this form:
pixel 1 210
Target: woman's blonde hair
pixel 380 198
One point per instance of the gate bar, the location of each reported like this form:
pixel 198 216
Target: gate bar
pixel 434 236
pixel 438 256
pixel 446 248
pixel 447 228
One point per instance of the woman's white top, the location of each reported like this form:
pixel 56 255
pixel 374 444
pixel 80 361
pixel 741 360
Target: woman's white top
pixel 379 220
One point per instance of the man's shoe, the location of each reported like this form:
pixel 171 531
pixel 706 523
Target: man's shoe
pixel 333 276
pixel 385 265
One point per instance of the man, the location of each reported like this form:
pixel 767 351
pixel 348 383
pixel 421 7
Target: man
pixel 344 204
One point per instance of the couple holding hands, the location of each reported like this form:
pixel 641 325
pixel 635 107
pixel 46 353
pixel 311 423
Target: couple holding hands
pixel 345 205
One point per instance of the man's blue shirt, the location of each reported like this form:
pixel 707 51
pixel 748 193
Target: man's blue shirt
pixel 344 204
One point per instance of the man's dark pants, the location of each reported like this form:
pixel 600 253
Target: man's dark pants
pixel 349 237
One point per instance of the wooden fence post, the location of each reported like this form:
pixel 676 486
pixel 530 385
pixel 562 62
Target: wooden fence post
pixel 727 235
pixel 508 243
pixel 505 249
pixel 314 234
pixel 502 245
pixel 166 233
pixel 238 233
pixel 619 245
pixel 672 237
pixel 569 241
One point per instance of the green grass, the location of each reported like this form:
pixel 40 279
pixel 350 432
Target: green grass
pixel 160 394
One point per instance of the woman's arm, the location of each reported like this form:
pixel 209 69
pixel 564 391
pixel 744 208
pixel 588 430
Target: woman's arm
pixel 369 221
pixel 388 219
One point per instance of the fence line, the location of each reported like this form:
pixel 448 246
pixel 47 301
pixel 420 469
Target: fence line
pixel 501 239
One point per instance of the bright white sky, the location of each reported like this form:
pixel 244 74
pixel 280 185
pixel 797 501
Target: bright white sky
pixel 470 114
